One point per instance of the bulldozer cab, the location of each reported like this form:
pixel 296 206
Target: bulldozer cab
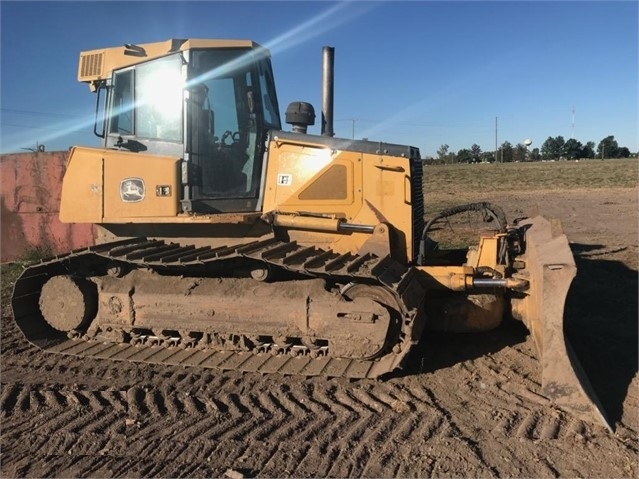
pixel 210 106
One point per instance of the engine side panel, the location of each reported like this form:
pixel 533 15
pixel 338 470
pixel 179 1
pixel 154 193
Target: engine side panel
pixel 110 186
pixel 313 175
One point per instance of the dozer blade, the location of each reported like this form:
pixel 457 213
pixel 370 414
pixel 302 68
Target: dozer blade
pixel 550 269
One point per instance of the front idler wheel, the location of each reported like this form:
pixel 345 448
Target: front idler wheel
pixel 68 303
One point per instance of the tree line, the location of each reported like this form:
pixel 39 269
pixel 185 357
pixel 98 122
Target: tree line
pixel 552 149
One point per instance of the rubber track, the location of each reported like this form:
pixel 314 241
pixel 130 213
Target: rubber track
pixel 180 259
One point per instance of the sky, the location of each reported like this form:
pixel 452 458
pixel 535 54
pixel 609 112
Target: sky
pixel 421 73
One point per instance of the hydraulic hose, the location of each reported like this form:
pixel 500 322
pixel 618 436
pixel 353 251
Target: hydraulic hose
pixel 491 213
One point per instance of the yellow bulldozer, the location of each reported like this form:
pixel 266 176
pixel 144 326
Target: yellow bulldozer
pixel 236 245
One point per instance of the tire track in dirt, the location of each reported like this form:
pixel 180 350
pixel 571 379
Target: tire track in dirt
pixel 302 415
pixel 520 418
pixel 342 445
pixel 369 431
pixel 387 461
pixel 14 396
pixel 502 388
pixel 537 425
pixel 322 439
pixel 368 447
pixel 376 419
pixel 284 426
pixel 273 416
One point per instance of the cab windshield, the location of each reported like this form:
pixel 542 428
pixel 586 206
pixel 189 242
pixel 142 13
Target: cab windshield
pixel 231 103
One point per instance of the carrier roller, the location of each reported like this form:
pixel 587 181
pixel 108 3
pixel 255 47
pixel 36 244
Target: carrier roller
pixel 336 315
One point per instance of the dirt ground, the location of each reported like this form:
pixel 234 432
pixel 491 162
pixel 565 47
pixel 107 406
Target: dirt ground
pixel 466 405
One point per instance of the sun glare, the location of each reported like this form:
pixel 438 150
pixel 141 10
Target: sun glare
pixel 164 94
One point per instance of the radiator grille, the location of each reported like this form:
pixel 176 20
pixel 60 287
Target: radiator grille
pixel 417 199
pixel 91 65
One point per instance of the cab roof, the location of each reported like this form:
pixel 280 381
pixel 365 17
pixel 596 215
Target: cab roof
pixel 97 65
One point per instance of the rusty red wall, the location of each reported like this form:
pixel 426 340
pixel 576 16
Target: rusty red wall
pixel 30 200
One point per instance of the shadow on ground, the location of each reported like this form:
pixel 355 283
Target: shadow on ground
pixel 601 321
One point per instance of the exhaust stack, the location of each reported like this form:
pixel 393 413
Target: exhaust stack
pixel 328 60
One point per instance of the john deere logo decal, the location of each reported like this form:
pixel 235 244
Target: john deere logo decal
pixel 132 190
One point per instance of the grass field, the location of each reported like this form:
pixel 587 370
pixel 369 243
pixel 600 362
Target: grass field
pixel 534 176
pixel 9 272
pixel 445 185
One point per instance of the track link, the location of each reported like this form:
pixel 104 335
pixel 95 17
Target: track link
pixel 177 259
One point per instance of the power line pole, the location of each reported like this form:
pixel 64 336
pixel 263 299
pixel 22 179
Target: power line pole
pixel 495 138
pixel 352 120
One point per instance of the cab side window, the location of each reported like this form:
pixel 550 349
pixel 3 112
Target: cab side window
pixel 122 104
pixel 147 101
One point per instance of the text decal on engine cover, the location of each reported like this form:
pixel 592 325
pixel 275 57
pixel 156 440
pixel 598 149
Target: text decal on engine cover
pixel 284 179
